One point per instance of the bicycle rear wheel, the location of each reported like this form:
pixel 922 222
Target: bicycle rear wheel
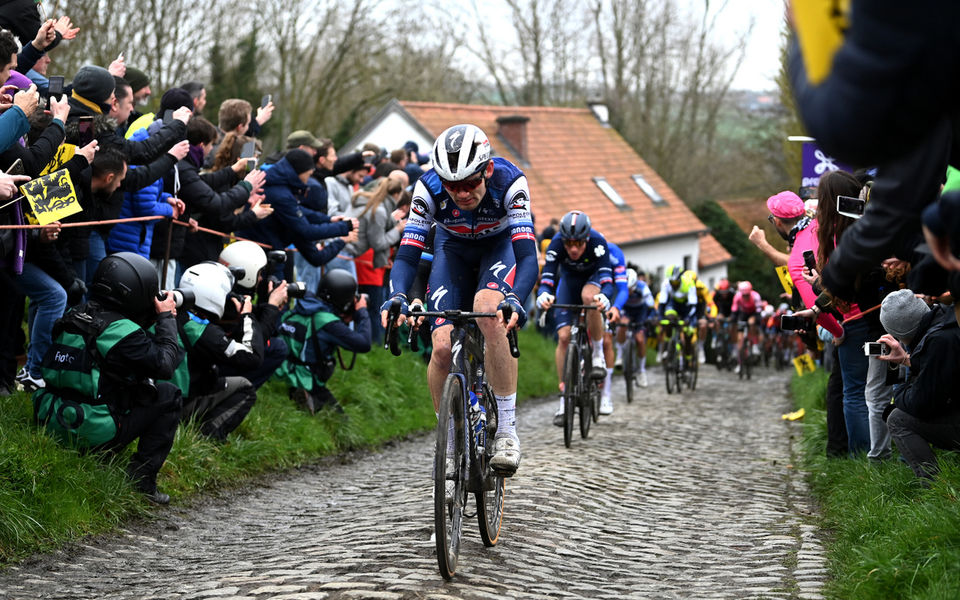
pixel 592 397
pixel 628 364
pixel 450 489
pixel 748 358
pixel 571 390
pixel 490 499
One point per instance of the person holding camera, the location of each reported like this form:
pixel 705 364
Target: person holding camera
pixel 219 403
pixel 315 330
pixel 925 410
pixel 100 372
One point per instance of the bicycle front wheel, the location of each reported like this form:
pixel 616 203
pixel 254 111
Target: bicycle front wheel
pixel 490 499
pixel 669 366
pixel 571 390
pixel 450 488
pixel 628 365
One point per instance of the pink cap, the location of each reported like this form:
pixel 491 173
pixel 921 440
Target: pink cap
pixel 785 205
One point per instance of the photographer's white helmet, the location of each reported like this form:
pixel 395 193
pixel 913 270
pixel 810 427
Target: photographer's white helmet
pixel 210 283
pixel 460 151
pixel 248 256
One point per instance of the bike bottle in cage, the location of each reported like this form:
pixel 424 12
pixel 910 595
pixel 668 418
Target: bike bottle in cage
pixel 478 420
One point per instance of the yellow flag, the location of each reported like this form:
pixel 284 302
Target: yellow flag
pixel 821 26
pixel 784 275
pixel 804 364
pixel 64 153
pixel 52 197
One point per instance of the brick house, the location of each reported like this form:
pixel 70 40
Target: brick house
pixel 573 160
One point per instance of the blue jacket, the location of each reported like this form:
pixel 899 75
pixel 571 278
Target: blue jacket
pixel 293 223
pixel 145 202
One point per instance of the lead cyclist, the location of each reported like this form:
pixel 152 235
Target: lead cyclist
pixel 484 259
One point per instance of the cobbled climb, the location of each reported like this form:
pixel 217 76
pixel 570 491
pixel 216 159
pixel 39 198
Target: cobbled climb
pixel 672 496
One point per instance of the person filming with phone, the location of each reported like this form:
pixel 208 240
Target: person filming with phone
pixel 925 410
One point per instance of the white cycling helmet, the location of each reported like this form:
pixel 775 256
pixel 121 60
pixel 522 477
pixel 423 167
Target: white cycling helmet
pixel 631 278
pixel 210 283
pixel 248 256
pixel 460 151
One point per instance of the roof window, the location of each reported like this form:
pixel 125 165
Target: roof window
pixel 609 192
pixel 647 189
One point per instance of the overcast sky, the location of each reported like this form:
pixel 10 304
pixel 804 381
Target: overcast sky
pixel 763 50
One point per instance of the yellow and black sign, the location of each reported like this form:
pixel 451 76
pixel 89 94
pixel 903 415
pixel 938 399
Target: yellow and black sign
pixel 51 197
pixel 784 276
pixel 804 364
pixel 821 26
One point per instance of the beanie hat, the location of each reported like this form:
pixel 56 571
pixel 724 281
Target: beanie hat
pixel 785 205
pixel 137 78
pixel 300 161
pixel 175 98
pixel 94 84
pixel 901 312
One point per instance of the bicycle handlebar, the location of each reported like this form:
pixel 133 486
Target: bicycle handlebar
pixel 458 317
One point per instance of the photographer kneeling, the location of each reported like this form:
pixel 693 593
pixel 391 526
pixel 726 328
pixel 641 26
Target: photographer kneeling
pixel 925 409
pixel 100 371
pixel 316 330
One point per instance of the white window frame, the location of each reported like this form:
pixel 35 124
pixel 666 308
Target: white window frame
pixel 647 189
pixel 609 192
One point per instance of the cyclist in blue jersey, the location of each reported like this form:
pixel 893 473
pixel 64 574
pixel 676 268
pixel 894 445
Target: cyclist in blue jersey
pixel 484 259
pixel 638 308
pixel 618 264
pixel 577 271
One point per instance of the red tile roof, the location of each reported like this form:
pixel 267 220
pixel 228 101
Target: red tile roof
pixel 711 252
pixel 568 147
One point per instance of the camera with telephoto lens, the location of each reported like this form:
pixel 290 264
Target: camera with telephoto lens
pixel 793 323
pixel 183 298
pixel 276 257
pixel 295 289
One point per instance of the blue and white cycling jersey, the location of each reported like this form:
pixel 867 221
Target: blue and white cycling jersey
pixel 503 213
pixel 618 263
pixel 593 265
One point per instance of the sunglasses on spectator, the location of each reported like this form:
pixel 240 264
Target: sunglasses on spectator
pixel 770 218
pixel 466 185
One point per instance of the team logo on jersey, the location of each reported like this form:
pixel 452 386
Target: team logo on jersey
pixel 599 251
pixel 419 207
pixel 552 255
pixel 443 205
pixel 440 321
pixel 438 295
pixel 520 201
pixel 456 213
pixel 497 267
pixel 493 286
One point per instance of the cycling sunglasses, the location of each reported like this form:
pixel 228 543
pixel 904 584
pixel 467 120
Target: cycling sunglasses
pixel 574 243
pixel 465 185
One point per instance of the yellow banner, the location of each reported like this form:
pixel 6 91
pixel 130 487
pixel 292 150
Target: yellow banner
pixel 64 153
pixel 784 276
pixel 821 26
pixel 52 197
pixel 804 364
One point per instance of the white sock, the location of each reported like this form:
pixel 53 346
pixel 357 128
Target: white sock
pixel 618 346
pixel 643 363
pixel 507 416
pixel 562 406
pixel 598 357
pixel 607 382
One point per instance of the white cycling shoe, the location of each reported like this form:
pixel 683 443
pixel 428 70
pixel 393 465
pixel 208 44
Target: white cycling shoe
pixel 606 405
pixel 506 456
pixel 643 379
pixel 558 417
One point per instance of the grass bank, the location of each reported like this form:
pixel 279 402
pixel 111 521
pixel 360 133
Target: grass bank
pixel 50 495
pixel 887 536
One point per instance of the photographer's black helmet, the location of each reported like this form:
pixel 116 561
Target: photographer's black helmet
pixel 338 288
pixel 575 225
pixel 127 283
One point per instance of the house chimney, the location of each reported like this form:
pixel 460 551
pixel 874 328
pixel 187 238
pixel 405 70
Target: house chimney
pixel 600 111
pixel 513 130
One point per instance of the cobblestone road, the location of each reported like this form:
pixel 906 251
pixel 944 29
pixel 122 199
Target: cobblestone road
pixel 688 496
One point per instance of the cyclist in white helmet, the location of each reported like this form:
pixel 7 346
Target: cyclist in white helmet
pixel 484 258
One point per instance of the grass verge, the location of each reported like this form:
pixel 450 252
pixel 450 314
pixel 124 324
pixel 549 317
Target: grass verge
pixel 50 495
pixel 888 537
